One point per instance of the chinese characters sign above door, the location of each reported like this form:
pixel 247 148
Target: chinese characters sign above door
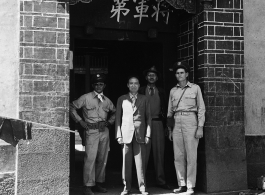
pixel 159 8
pixel 129 13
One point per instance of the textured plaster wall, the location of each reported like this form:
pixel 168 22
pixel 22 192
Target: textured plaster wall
pixel 9 57
pixel 9 71
pixel 254 30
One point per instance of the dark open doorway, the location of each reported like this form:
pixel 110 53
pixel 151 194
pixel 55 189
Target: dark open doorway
pixel 120 49
pixel 118 60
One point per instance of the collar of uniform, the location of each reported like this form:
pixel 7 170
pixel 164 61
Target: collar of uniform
pixel 96 94
pixel 150 87
pixel 188 84
pixel 131 95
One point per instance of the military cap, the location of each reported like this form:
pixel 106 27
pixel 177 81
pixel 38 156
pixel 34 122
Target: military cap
pixel 180 64
pixel 152 69
pixel 99 77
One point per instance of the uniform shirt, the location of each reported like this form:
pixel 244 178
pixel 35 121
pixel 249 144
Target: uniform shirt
pixel 93 109
pixel 191 101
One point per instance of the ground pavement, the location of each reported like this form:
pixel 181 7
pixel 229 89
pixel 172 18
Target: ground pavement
pixel 114 179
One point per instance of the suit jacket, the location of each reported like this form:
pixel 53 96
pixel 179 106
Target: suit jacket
pixel 163 105
pixel 131 122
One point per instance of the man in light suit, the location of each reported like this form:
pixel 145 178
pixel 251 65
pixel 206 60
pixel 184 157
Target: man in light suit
pixel 133 131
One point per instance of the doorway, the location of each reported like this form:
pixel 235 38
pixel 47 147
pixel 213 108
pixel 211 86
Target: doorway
pixel 118 60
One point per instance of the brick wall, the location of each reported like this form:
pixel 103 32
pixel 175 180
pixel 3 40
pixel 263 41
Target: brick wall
pixel 185 42
pixel 43 163
pixel 221 70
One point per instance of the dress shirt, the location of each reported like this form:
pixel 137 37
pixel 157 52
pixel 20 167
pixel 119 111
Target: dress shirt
pixel 93 110
pixel 191 101
pixel 100 96
pixel 133 98
pixel 149 89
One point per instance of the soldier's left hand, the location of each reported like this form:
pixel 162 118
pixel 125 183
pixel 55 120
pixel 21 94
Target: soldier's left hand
pixel 199 133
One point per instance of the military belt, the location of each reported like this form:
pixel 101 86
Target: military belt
pixel 99 125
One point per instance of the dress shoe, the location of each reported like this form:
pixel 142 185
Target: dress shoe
pixel 125 192
pixel 190 191
pixel 88 191
pixel 98 188
pixel 164 186
pixel 180 189
pixel 144 193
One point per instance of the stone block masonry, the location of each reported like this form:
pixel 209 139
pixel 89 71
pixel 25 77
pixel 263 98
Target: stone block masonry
pixel 222 157
pixel 43 163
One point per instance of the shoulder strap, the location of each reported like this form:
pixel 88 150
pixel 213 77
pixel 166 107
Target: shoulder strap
pixel 181 97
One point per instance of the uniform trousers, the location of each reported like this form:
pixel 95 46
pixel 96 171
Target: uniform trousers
pixel 185 148
pixel 138 151
pixel 96 155
pixel 158 146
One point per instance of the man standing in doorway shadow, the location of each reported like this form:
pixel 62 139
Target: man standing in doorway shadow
pixel 95 107
pixel 133 131
pixel 156 96
pixel 186 117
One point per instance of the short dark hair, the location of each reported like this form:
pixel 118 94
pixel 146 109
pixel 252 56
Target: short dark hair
pixel 133 76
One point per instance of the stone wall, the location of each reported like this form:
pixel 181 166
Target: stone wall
pixel 221 72
pixel 43 162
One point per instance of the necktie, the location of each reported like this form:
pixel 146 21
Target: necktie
pixel 100 97
pixel 133 101
pixel 152 91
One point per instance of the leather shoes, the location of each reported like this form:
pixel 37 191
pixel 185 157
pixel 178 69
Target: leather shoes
pixel 125 192
pixel 98 188
pixel 190 191
pixel 87 191
pixel 180 189
pixel 164 186
pixel 144 193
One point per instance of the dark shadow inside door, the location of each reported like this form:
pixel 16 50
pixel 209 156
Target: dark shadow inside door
pixel 124 59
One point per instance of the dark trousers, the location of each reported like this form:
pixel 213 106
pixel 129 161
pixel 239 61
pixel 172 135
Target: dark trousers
pixel 158 146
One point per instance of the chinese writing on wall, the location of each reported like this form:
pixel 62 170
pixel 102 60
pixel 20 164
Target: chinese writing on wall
pixel 160 8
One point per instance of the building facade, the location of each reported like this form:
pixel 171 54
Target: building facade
pixel 222 40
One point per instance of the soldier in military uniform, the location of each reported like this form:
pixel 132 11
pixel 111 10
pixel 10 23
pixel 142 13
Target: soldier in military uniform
pixel 98 113
pixel 187 109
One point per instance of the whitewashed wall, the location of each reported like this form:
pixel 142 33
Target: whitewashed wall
pixel 254 32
